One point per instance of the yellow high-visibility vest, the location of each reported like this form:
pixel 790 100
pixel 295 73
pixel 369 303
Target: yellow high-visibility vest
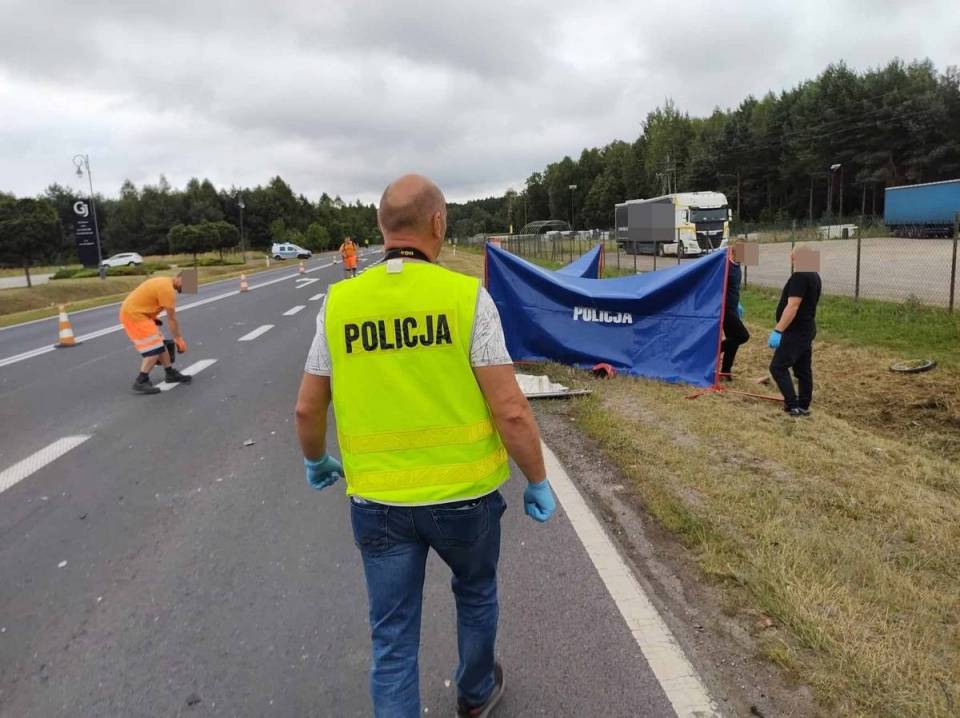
pixel 413 426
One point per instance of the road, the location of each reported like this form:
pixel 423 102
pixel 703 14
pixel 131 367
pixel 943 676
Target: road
pixel 21 281
pixel 162 567
pixel 891 268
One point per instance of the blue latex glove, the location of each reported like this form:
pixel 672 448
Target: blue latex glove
pixel 322 472
pixel 740 310
pixel 538 501
pixel 774 341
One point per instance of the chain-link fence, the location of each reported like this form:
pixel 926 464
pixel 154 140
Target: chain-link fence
pixel 857 259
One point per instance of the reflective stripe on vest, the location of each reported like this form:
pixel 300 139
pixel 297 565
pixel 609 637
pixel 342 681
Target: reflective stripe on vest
pixel 412 423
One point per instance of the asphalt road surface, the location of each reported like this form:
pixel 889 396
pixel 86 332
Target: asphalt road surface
pixel 161 567
pixel 891 268
pixel 21 280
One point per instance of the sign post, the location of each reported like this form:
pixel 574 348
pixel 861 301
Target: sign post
pixel 82 162
pixel 85 234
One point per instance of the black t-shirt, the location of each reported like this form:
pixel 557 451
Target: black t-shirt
pixel 806 285
pixel 734 276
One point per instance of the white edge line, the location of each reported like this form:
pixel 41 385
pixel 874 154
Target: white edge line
pixel 293 310
pixel 117 304
pixel 37 460
pixel 250 336
pixel 677 677
pixel 191 370
pixel 7 361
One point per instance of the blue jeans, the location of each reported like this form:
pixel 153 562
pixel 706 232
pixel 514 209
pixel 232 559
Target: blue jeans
pixel 394 542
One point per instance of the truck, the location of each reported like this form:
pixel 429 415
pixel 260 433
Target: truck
pixel 922 210
pixel 685 224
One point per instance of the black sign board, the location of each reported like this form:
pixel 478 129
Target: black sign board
pixel 85 233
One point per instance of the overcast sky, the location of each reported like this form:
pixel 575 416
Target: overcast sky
pixel 343 96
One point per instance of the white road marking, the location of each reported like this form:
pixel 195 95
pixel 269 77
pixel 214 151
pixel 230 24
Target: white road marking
pixel 315 297
pixel 249 337
pixel 676 675
pixel 293 310
pixel 7 361
pixel 306 282
pixel 191 370
pixel 22 469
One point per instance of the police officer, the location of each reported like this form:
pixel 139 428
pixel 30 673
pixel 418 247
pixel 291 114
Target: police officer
pixel 427 410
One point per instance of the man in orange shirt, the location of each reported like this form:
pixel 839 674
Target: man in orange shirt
pixel 138 315
pixel 348 250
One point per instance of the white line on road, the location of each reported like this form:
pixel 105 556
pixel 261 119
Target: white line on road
pixel 249 337
pixel 306 282
pixel 191 370
pixel 674 672
pixel 315 297
pixel 22 469
pixel 293 310
pixel 7 361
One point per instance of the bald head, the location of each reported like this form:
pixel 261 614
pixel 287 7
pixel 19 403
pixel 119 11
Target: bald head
pixel 409 208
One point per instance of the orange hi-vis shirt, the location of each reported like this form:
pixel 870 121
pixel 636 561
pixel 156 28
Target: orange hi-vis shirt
pixel 150 298
pixel 348 249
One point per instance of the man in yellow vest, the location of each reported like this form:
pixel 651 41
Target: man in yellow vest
pixel 427 410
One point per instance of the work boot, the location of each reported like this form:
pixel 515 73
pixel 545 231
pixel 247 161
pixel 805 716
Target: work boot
pixel 465 711
pixel 145 387
pixel 173 376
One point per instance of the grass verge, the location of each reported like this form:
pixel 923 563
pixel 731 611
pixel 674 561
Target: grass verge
pixel 24 305
pixel 839 533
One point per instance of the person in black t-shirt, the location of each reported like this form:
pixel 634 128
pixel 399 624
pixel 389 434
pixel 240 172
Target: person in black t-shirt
pixel 792 339
pixel 734 332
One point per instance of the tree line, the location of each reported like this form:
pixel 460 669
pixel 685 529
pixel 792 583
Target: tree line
pixel 140 220
pixel 772 157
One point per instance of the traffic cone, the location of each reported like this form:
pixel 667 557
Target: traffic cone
pixel 244 287
pixel 66 331
pixel 302 268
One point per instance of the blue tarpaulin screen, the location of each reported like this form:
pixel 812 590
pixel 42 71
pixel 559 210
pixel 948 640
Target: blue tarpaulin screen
pixel 587 265
pixel 664 325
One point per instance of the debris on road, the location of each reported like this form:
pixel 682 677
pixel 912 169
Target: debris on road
pixel 61 564
pixel 249 442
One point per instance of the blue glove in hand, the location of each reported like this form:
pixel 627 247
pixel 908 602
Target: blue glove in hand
pixel 322 472
pixel 774 341
pixel 538 501
pixel 740 310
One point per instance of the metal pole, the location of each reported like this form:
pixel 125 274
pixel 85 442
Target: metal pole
pixel 243 247
pixel 678 245
pixel 953 261
pixel 96 225
pixel 856 287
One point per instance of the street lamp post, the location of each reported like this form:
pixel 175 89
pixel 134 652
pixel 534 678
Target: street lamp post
pixel 82 163
pixel 243 248
pixel 572 188
pixel 833 168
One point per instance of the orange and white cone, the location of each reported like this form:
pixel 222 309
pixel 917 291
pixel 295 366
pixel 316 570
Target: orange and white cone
pixel 302 268
pixel 66 331
pixel 244 287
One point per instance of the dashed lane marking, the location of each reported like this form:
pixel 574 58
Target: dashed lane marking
pixel 677 677
pixel 301 283
pixel 191 370
pixel 315 297
pixel 22 469
pixel 259 331
pixel 7 361
pixel 293 310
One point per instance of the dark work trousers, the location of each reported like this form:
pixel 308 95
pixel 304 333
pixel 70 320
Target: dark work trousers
pixel 734 334
pixel 795 352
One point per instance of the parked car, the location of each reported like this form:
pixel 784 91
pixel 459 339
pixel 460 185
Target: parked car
pixel 290 251
pixel 124 259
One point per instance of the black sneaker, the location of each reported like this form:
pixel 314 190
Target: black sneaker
pixel 174 376
pixel 797 411
pixel 145 387
pixel 465 711
pixel 803 411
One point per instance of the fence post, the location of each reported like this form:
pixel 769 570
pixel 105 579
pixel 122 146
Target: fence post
pixel 654 256
pixel 678 245
pixel 856 286
pixel 953 262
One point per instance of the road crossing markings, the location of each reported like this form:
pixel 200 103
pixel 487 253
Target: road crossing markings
pixel 673 671
pixel 315 297
pixel 259 331
pixel 36 461
pixel 191 370
pixel 293 310
pixel 301 283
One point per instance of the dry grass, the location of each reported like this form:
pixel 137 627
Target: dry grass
pixel 844 529
pixel 23 304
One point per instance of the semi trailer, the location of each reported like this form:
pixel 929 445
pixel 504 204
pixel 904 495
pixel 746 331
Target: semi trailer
pixel 922 210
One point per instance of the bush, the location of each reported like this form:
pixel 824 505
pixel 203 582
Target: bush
pixel 122 271
pixel 216 262
pixel 64 273
pixel 151 267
